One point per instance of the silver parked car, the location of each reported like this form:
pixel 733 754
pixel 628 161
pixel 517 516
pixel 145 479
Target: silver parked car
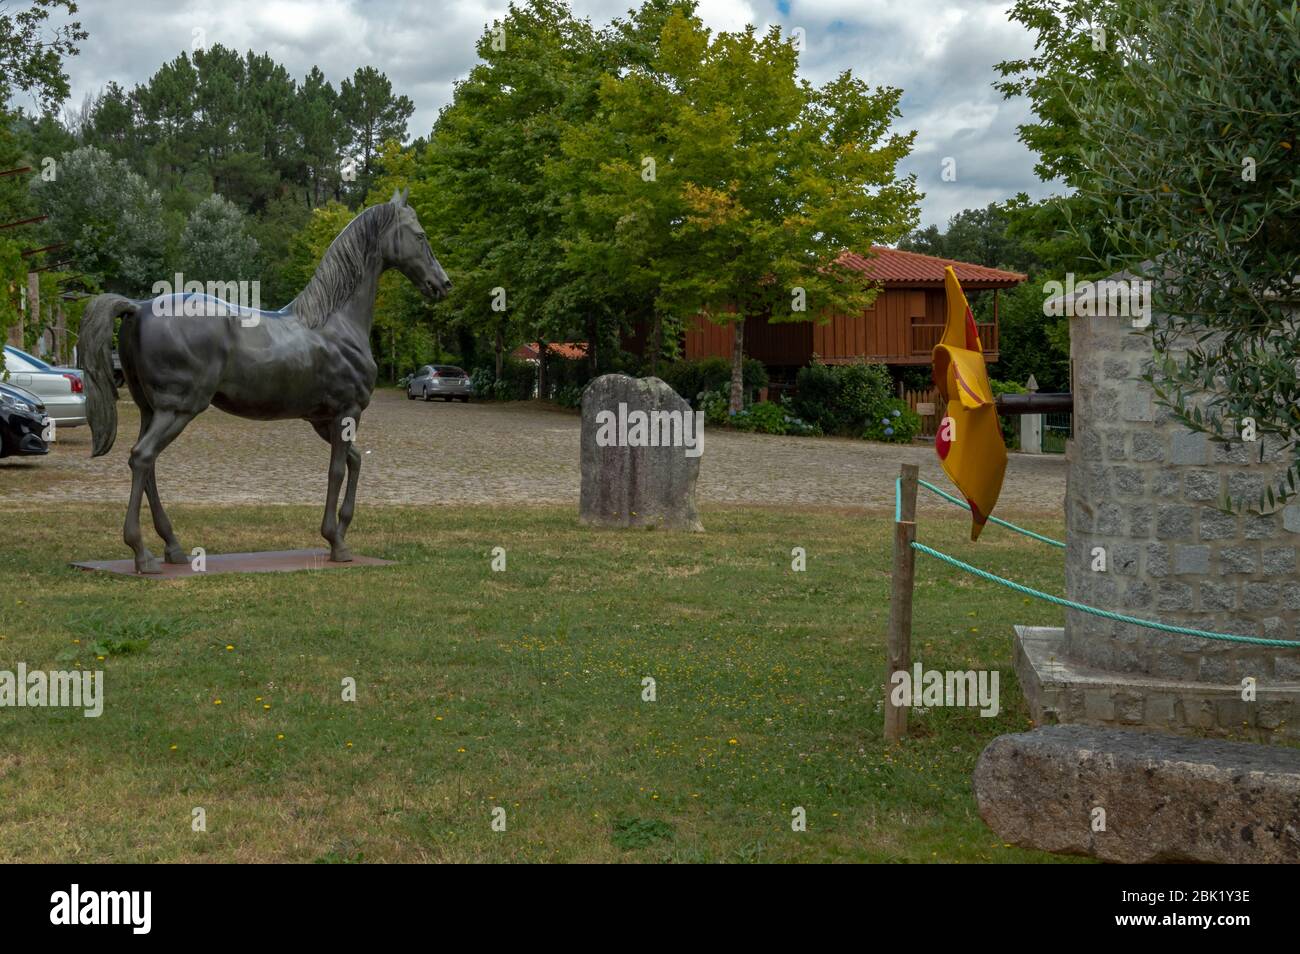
pixel 60 389
pixel 444 381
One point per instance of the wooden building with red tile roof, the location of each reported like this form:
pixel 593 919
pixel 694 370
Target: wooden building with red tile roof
pixel 900 328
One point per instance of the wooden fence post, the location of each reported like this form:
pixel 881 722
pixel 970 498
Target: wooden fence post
pixel 899 648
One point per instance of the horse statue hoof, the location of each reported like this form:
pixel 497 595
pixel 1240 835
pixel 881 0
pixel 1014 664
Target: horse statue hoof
pixel 148 565
pixel 176 555
pixel 341 555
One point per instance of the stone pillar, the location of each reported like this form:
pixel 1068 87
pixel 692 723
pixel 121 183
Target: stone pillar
pixel 1031 425
pixel 640 449
pixel 1145 492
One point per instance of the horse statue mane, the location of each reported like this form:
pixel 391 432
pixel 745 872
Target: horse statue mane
pixel 341 266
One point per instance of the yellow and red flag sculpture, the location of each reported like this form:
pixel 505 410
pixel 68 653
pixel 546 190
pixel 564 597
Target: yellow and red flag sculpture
pixel 969 442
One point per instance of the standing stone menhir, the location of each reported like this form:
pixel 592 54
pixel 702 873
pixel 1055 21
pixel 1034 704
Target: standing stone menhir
pixel 641 448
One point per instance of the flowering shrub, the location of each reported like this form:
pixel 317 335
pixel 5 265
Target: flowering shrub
pixel 764 417
pixel 897 424
pixel 715 405
pixel 843 399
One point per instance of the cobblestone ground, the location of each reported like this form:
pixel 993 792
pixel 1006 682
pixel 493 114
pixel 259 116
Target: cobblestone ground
pixel 418 453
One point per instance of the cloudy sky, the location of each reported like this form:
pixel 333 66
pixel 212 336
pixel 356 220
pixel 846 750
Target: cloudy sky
pixel 940 52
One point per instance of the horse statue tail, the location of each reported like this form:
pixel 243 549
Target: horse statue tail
pixel 96 346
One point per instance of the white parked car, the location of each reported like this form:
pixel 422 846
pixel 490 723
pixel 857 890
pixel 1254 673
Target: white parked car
pixel 60 389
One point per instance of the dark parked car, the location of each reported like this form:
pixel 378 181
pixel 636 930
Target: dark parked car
pixel 22 422
pixel 444 381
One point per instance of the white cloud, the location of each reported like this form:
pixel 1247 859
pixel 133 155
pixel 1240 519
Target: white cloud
pixel 940 52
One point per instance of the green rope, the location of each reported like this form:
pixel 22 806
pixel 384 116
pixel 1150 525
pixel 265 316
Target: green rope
pixel 1002 523
pixel 1104 614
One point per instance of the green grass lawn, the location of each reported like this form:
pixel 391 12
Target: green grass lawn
pixel 519 689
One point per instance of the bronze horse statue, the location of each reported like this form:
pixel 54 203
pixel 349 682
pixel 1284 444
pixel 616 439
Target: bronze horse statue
pixel 309 360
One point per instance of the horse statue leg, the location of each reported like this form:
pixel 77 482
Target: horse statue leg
pixel 334 526
pixel 349 498
pixel 173 551
pixel 156 433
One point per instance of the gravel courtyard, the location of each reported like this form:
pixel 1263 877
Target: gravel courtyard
pixel 417 453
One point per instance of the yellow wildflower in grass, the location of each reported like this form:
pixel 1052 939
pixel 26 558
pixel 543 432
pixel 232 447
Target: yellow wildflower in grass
pixel 279 736
pixel 229 648
pixel 216 702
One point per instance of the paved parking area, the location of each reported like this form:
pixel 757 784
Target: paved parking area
pixel 417 453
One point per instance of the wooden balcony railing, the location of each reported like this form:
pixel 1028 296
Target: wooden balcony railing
pixel 926 336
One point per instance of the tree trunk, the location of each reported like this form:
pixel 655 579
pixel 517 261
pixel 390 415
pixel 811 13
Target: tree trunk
pixel 542 382
pixel 592 334
pixel 738 366
pixel 654 344
pixel 500 349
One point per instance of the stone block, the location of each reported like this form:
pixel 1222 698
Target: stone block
pixel 1147 447
pixel 1158 560
pixel 1173 522
pixel 1189 447
pixel 1279 560
pixel 1217 525
pixel 1218 597
pixel 1201 485
pixel 637 470
pixel 1193 559
pixel 1167 798
pixel 1238 560
pixel 1260 596
pixel 1128 481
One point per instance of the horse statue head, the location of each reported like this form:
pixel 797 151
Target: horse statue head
pixel 405 247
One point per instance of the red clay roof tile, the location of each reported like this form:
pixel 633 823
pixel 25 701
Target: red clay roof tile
pixel 894 266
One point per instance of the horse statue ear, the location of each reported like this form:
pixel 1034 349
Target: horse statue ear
pixel 398 198
pixel 406 195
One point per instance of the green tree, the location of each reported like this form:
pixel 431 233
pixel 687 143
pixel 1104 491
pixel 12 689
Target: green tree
pixel 166 104
pixel 1190 157
pixel 31 56
pixel 215 244
pixel 321 134
pixel 371 114
pixel 485 196
pixel 982 236
pixel 112 123
pixel 761 179
pixel 109 219
pixel 1075 45
pixel 275 230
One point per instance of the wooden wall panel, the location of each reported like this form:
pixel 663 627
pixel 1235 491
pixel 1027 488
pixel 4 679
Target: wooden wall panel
pixel 900 328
